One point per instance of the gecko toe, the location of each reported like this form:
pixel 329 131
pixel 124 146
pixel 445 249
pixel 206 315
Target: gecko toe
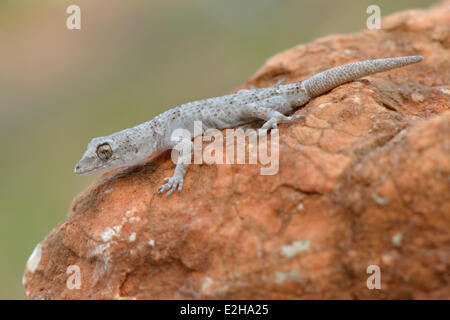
pixel 165 186
pixel 267 125
pixel 173 183
pixel 301 117
pixel 170 192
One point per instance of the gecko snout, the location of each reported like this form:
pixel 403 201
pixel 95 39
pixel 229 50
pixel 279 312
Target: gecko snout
pixel 79 170
pixel 82 168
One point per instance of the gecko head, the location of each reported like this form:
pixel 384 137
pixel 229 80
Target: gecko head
pixel 105 153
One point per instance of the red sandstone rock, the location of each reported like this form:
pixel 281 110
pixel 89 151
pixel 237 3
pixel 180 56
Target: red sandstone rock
pixel 365 181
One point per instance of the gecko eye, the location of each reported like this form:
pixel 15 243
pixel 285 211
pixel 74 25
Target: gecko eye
pixel 104 151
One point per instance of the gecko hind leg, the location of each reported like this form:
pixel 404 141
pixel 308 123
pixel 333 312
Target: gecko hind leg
pixel 269 113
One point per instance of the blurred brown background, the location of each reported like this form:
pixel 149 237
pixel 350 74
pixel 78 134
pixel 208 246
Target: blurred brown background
pixel 130 61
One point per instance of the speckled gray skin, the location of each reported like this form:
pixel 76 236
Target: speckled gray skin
pixel 129 146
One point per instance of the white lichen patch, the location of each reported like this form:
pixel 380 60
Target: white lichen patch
pixel 295 248
pixel 151 243
pixel 397 239
pixel 324 105
pixel 382 201
pixel 355 99
pixel 119 297
pixel 417 97
pixel 293 275
pixel 34 259
pixel 131 212
pixel 134 219
pixel 100 249
pixel 114 232
pixel 445 90
pixel 108 234
pixel 207 282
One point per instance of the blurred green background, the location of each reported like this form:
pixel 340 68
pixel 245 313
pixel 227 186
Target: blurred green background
pixel 130 61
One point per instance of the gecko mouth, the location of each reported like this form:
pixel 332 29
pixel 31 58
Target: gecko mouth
pixel 84 171
pixel 79 171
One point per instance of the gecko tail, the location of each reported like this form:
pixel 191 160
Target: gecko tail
pixel 331 78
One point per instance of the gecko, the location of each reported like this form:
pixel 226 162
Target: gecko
pixel 272 104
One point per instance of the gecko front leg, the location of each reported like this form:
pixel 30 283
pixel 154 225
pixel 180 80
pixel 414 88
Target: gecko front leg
pixel 185 147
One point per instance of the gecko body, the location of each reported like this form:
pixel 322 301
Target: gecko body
pixel 130 146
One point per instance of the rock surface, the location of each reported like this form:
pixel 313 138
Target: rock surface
pixel 364 181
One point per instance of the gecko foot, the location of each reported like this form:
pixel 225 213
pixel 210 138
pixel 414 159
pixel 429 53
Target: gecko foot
pixel 300 116
pixel 272 123
pixel 172 184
